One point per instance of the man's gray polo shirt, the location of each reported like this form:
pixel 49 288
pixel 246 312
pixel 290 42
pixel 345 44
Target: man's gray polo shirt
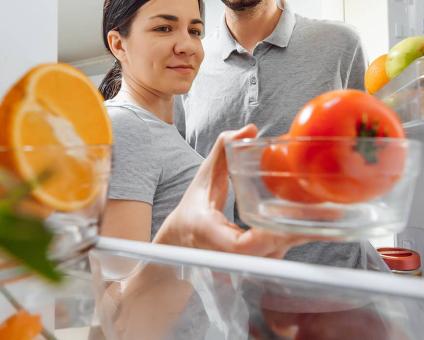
pixel 301 59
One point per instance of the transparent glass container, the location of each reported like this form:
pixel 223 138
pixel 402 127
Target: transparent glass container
pixel 383 192
pixel 70 196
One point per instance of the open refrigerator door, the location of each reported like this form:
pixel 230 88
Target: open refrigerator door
pixel 405 94
pixel 163 292
pixel 131 290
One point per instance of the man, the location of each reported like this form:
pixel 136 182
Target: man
pixel 261 66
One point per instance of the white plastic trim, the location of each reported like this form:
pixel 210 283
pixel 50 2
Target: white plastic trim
pixel 381 283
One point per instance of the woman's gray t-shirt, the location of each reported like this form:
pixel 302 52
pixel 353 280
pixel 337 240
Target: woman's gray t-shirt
pixel 151 162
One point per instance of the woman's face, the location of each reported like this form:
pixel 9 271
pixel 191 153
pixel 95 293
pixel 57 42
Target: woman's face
pixel 163 50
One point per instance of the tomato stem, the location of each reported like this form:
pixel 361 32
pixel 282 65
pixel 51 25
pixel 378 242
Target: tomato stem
pixel 367 149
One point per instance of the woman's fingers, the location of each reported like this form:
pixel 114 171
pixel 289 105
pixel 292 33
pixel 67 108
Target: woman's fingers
pixel 261 242
pixel 217 154
pixel 213 231
pixel 248 131
pixel 206 229
pixel 214 170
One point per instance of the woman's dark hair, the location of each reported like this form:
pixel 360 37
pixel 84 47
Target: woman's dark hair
pixel 118 15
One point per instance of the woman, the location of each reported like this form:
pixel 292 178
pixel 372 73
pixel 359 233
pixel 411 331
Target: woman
pixel 160 189
pixel 158 51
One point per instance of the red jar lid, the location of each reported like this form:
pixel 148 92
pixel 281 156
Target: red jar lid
pixel 400 258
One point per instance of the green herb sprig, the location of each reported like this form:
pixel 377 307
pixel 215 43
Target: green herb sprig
pixel 25 238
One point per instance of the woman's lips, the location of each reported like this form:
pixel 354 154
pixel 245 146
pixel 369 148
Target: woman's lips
pixel 182 69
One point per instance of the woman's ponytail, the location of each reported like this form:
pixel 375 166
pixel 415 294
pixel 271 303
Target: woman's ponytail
pixel 111 84
pixel 118 15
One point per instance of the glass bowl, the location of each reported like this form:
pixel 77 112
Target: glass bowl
pixel 69 193
pixel 337 187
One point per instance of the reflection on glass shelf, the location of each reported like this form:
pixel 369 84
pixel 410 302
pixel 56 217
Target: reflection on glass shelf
pixel 146 291
pixel 162 296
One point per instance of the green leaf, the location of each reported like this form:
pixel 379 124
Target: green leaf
pixel 27 239
pixel 17 190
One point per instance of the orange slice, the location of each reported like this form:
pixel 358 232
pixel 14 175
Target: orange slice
pixel 51 119
pixel 21 326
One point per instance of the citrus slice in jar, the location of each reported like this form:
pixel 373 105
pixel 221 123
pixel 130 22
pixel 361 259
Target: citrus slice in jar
pixel 50 120
pixel 21 326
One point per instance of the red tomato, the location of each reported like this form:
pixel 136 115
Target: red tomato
pixel 283 183
pixel 344 170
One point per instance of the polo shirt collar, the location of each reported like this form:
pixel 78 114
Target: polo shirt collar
pixel 226 42
pixel 279 37
pixel 283 31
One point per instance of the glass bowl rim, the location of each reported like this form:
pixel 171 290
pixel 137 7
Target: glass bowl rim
pixel 30 148
pixel 267 141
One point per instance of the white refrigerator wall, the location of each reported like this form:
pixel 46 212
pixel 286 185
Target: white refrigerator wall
pixel 319 9
pixel 370 18
pixel 406 19
pixel 29 37
pixel 214 11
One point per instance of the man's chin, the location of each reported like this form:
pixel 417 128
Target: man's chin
pixel 241 5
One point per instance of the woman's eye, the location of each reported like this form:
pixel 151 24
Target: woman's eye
pixel 196 32
pixel 163 29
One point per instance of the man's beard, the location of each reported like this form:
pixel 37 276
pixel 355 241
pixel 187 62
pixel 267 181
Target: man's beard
pixel 241 5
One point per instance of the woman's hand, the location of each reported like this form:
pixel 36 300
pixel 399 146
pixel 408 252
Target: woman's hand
pixel 198 221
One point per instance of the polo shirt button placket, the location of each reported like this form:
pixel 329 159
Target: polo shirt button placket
pixel 253 81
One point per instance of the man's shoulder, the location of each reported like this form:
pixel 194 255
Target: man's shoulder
pixel 327 30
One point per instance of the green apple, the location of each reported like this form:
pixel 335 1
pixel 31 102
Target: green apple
pixel 403 54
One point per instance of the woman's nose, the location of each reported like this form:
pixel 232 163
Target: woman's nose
pixel 186 44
